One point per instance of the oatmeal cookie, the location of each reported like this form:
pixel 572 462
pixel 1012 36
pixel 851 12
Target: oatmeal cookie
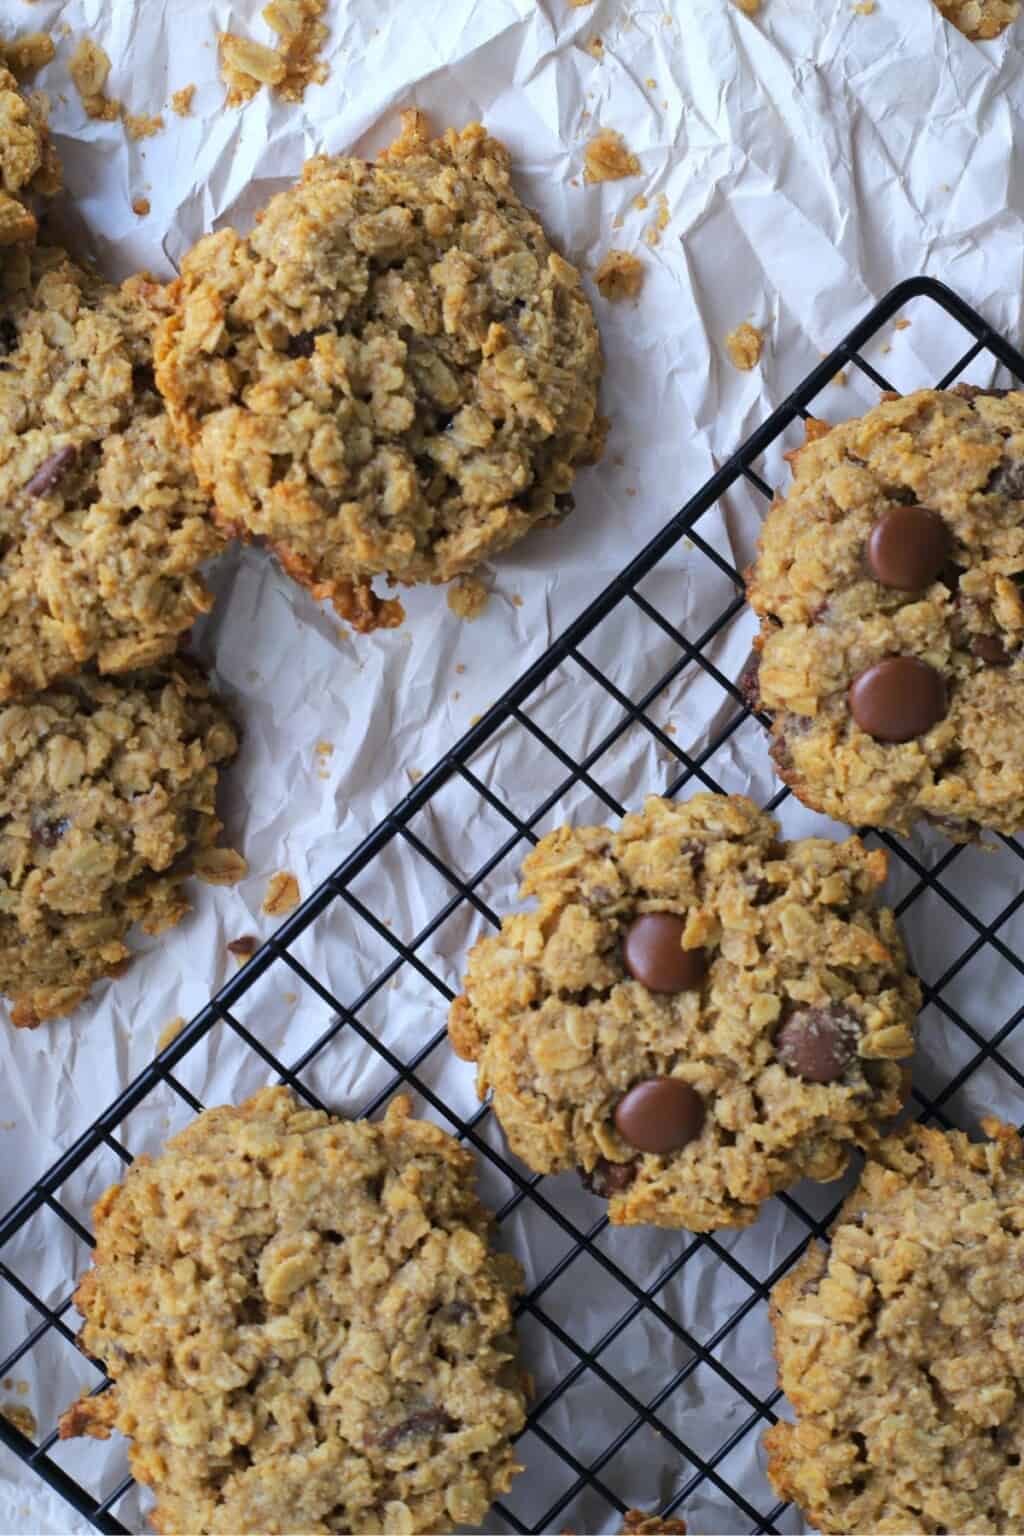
pixel 980 18
pixel 636 1523
pixel 892 619
pixel 106 798
pixel 901 1346
pixel 393 375
pixel 104 525
pixel 695 1015
pixel 28 160
pixel 306 1326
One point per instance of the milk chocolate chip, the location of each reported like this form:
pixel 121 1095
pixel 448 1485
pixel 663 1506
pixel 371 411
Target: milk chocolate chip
pixel 990 649
pixel 908 547
pixel 817 1044
pixel 660 1115
pixel 652 953
pixel 898 698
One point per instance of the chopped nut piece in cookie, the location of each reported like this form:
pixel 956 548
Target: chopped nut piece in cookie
pixel 330 1281
pixel 695 1014
pixel 282 895
pixel 608 158
pixel 392 375
pixel 620 276
pixel 744 346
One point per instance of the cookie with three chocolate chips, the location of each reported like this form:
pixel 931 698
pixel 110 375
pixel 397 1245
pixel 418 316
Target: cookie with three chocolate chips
pixel 695 1014
pixel 888 584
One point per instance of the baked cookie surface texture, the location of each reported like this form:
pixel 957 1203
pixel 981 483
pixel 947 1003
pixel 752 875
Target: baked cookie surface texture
pixel 107 790
pixel 393 375
pixel 307 1329
pixel 980 19
pixel 28 161
pixel 901 1346
pixel 888 583
pixel 695 1014
pixel 104 526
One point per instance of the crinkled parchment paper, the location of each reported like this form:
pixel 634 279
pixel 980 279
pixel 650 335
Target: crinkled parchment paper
pixel 809 157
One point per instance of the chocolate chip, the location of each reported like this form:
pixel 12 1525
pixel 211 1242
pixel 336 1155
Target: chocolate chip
pixel 432 1421
pixel 898 698
pixel 8 336
pixel 49 833
pixel 143 379
pixel 660 1115
pixel 51 470
pixel 244 947
pixel 749 681
pixel 818 1044
pixel 607 1178
pixel 990 649
pixel 908 547
pixel 303 344
pixel 652 953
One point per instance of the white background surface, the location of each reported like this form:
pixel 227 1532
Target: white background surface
pixel 811 157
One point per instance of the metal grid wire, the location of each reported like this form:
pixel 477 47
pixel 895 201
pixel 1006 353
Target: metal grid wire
pixel 693 1455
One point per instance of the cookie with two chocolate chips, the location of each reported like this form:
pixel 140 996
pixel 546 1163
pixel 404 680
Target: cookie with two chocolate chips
pixel 889 587
pixel 695 1014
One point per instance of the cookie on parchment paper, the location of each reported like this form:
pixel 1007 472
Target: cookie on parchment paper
pixel 901 1345
pixel 306 1325
pixel 393 375
pixel 28 160
pixel 888 584
pixel 107 803
pixel 695 1014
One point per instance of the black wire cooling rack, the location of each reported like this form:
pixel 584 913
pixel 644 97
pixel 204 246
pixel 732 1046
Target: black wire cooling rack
pixel 595 1419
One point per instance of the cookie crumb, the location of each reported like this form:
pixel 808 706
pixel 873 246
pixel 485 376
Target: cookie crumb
pixel 901 325
pixel 640 203
pixel 864 8
pixel 287 69
pixel 244 948
pixel 744 346
pixel 980 19
pixel 619 276
pixel 220 866
pixel 289 997
pixel 577 5
pixel 608 158
pixel 171 1030
pixel 840 377
pixel 415 774
pixel 324 749
pixel 749 7
pixel 141 206
pixel 282 895
pixel 21 1417
pixel 142 126
pixel 27 54
pixel 595 48
pixel 89 70
pixel 467 597
pixel 181 101
pixel 460 667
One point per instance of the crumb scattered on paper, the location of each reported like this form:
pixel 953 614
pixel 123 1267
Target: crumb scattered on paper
pixel 744 346
pixel 27 54
pixel 181 101
pixel 244 948
pixel 21 1417
pixel 749 7
pixel 324 751
pixel 640 203
pixel 467 597
pixel 864 8
pixel 651 83
pixel 220 866
pixel 980 19
pixel 608 158
pixel 171 1030
pixel 141 206
pixel 289 997
pixel 460 667
pixel 282 894
pixel 653 232
pixel 619 276
pixel 287 69
pixel 595 48
pixel 89 70
pixel 415 774
pixel 141 126
pixel 577 5
pixel 840 377
pixel 901 325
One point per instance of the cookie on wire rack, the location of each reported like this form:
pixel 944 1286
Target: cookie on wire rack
pixel 107 800
pixel 393 375
pixel 306 1325
pixel 888 585
pixel 901 1345
pixel 695 1014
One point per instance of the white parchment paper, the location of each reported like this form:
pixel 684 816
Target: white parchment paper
pixel 810 157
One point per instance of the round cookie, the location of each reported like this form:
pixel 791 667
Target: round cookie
pixel 306 1326
pixel 28 161
pixel 980 18
pixel 392 375
pixel 892 619
pixel 107 804
pixel 901 1346
pixel 104 525
pixel 689 1107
